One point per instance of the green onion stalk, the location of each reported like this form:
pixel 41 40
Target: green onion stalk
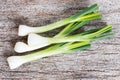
pixel 25 30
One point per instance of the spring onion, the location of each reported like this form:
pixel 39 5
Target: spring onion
pixel 25 30
pixel 40 54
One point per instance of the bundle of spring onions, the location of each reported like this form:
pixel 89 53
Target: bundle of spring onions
pixel 63 42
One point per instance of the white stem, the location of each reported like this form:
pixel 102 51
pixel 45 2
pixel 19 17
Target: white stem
pixel 35 39
pixel 24 30
pixel 21 47
pixel 15 61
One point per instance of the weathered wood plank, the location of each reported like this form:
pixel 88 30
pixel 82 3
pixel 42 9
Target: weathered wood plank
pixel 100 62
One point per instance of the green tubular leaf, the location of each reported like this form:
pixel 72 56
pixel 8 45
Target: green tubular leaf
pixel 89 32
pixel 86 11
pixel 78 25
pixel 77 44
pixel 53 47
pixel 103 36
pixel 81 48
pixel 91 17
pixel 67 30
pixel 103 30
pixel 92 31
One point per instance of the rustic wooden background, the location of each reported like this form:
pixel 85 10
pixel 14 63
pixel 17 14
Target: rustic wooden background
pixel 100 62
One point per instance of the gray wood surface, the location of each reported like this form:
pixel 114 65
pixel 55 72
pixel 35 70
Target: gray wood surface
pixel 100 62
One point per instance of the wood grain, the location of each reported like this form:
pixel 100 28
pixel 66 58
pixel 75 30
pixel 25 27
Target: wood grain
pixel 100 62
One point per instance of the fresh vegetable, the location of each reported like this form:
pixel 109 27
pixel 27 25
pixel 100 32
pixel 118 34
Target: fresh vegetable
pixel 63 42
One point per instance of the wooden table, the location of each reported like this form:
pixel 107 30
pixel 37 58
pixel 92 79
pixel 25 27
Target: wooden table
pixel 100 62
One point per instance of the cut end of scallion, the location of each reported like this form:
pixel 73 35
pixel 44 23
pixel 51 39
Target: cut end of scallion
pixel 35 39
pixel 24 30
pixel 14 61
pixel 21 47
